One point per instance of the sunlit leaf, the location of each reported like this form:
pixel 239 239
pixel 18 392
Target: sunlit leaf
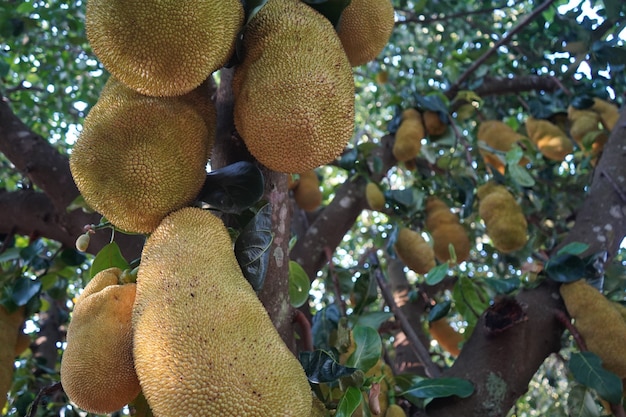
pixel 299 284
pixel 349 402
pixel 368 348
pixel 109 256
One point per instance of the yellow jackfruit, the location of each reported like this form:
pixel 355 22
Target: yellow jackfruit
pixel 501 137
pixel 552 142
pixel 445 229
pixel 609 113
pixel 599 323
pixel 364 28
pixel 294 90
pixel 307 193
pixel 582 122
pixel 204 344
pixel 97 371
pixel 140 158
pixel 375 198
pixel 621 309
pixel 433 123
pixel 408 143
pixel 163 48
pixel 448 338
pixel 395 410
pixel 503 217
pixel 10 324
pixel 414 251
pixel 318 409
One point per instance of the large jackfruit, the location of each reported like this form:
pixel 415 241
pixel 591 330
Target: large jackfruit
pixel 503 217
pixel 501 137
pixel 10 324
pixel 97 371
pixel 294 90
pixel 204 344
pixel 163 48
pixel 140 158
pixel 552 142
pixel 414 251
pixel 446 230
pixel 599 322
pixel 364 28
pixel 408 143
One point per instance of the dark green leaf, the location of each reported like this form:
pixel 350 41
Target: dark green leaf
pixel 252 247
pixel 368 348
pixel 503 286
pixel 373 319
pixel 437 274
pixel 520 175
pixel 11 254
pixel 24 289
pixel 252 7
pixel 324 323
pixel 299 284
pixel 573 248
pixel 565 268
pixel 71 257
pixel 470 300
pixel 32 251
pixel 233 188
pixel 349 402
pixel 320 367
pixel 348 159
pixel 440 387
pixel 108 257
pixel 365 292
pixel 440 310
pixel 587 369
pixel 331 9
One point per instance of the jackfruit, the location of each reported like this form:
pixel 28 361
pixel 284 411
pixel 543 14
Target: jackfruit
pixel 294 90
pixel 445 229
pixel 163 48
pixel 552 142
pixel 10 324
pixel 503 217
pixel 599 323
pixel 448 338
pixel 364 28
pixel 609 113
pixel 433 124
pixel 395 410
pixel 307 193
pixel 140 158
pixel 414 251
pixel 382 77
pixel 375 198
pixel 97 371
pixel 621 309
pixel 204 344
pixel 501 137
pixel 22 343
pixel 408 143
pixel 582 122
pixel 318 409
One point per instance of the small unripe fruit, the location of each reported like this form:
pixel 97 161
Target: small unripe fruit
pixel 82 243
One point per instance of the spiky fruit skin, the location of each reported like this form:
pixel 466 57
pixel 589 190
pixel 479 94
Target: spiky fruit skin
pixel 10 324
pixel 501 137
pixel 163 48
pixel 599 322
pixel 318 408
pixel 503 217
pixel 375 198
pixel 408 143
pixel 446 230
pixel 97 370
pixel 307 193
pixel 395 410
pixel 294 90
pixel 204 344
pixel 364 28
pixel 609 113
pixel 448 338
pixel 433 124
pixel 552 142
pixel 140 158
pixel 414 251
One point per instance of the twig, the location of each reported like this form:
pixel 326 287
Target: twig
pixel 618 190
pixel 331 271
pixel 50 389
pixel 307 335
pixel 416 345
pixel 504 40
pixel 565 321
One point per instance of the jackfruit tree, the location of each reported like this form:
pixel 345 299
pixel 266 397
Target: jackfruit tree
pixel 312 208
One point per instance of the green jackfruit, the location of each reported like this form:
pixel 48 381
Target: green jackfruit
pixel 204 344
pixel 294 90
pixel 163 48
pixel 375 198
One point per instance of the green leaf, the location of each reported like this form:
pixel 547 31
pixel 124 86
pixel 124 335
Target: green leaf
pixel 372 319
pixel 513 156
pixel 11 254
pixel 503 286
pixel 299 284
pixel 365 292
pixel 24 289
pixel 324 323
pixel 565 268
pixel 470 300
pixel 233 188
pixel 349 402
pixel 109 256
pixel 520 175
pixel 580 403
pixel 252 247
pixel 368 348
pixel 71 257
pixel 440 387
pixel 587 369
pixel 440 310
pixel 573 248
pixel 437 274
pixel 320 367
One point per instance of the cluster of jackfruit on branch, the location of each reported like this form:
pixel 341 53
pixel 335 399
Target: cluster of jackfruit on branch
pixel 414 126
pixel 590 127
pixel 503 217
pixel 446 229
pixel 500 137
